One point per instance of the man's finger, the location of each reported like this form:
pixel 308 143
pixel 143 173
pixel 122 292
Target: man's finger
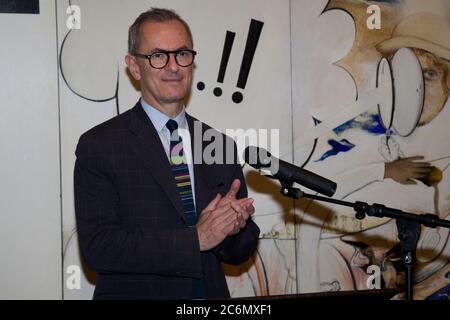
pixel 248 205
pixel 239 209
pixel 230 216
pixel 223 213
pixel 244 201
pixel 213 204
pixel 242 222
pixel 221 210
pixel 231 228
pixel 234 189
pixel 204 215
pixel 250 209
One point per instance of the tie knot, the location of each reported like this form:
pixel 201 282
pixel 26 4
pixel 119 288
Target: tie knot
pixel 172 125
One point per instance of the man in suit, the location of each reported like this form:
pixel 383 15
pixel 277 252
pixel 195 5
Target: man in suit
pixel 154 222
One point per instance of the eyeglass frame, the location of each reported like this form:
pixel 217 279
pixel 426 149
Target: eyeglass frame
pixel 167 53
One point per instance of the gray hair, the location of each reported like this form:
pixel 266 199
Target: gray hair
pixel 152 15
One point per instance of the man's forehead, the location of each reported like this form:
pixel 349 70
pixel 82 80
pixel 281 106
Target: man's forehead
pixel 153 31
pixel 150 26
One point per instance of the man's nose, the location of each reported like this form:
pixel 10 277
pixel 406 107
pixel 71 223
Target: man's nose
pixel 172 64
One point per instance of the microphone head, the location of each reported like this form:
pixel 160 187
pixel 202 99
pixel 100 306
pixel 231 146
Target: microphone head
pixel 257 157
pixel 287 173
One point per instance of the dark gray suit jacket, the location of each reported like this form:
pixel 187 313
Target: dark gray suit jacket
pixel 131 226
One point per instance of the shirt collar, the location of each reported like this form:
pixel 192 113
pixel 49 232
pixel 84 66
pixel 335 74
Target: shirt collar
pixel 159 119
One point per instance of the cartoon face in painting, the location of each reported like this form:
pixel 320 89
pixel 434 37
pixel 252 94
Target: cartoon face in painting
pixel 437 84
pixel 427 35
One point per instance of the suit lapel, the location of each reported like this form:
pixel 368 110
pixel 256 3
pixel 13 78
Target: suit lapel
pixel 147 145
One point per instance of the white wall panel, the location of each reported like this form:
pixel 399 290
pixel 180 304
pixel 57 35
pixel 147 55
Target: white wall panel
pixel 30 216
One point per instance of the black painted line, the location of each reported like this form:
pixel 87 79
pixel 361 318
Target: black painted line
pixel 228 45
pixel 254 33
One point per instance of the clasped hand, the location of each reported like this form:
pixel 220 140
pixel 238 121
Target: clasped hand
pixel 222 217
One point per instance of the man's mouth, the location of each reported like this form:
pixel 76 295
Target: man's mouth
pixel 171 79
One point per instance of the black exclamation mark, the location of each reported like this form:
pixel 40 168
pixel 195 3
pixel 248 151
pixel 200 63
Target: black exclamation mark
pixel 228 45
pixel 254 33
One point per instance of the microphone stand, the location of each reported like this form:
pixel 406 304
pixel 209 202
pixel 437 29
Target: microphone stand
pixel 408 225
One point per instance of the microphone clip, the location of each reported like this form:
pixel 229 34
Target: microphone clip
pixel 288 191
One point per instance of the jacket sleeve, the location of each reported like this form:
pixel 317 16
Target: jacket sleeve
pixel 106 244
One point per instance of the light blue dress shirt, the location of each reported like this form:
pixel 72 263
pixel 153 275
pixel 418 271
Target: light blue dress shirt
pixel 159 121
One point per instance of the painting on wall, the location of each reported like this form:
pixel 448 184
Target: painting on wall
pixel 389 147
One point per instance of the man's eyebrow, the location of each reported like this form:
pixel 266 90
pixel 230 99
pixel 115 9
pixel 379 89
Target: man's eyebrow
pixel 164 50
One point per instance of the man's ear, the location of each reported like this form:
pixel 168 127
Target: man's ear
pixel 133 66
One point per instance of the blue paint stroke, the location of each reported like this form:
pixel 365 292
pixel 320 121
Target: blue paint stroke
pixel 371 123
pixel 337 146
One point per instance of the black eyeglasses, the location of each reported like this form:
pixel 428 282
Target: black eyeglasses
pixel 160 59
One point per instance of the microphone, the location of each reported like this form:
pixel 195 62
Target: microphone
pixel 260 158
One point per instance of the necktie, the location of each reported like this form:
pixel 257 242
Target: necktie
pixel 183 181
pixel 181 172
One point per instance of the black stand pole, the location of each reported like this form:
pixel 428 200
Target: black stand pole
pixel 408 233
pixel 408 225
